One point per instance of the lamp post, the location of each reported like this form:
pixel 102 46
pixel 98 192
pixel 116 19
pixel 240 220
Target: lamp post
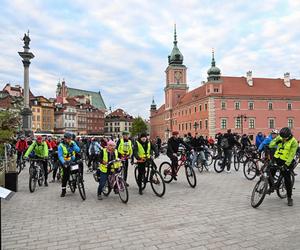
pixel 26 112
pixel 242 118
pixel 196 125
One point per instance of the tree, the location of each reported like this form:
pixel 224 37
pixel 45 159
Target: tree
pixel 138 126
pixel 9 123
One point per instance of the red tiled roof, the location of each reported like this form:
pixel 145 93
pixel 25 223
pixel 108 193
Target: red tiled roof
pixel 268 87
pixel 160 110
pixel 71 101
pixel 192 96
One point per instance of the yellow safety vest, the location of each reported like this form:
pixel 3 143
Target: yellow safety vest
pixel 284 149
pixel 141 152
pixel 66 154
pixel 103 167
pixel 125 148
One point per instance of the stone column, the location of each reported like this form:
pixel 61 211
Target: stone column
pixel 26 112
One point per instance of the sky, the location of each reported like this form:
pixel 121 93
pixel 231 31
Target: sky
pixel 121 47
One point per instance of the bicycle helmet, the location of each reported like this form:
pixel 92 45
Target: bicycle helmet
pixel 285 132
pixel 274 131
pixel 68 135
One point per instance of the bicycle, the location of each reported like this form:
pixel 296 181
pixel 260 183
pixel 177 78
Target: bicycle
pixel 262 187
pixel 76 180
pixel 251 166
pixel 116 182
pixel 204 163
pixel 21 163
pixel 185 160
pixel 36 173
pixel 153 176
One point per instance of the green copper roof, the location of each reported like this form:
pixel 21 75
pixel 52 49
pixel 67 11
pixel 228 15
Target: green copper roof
pixel 96 98
pixel 214 72
pixel 176 57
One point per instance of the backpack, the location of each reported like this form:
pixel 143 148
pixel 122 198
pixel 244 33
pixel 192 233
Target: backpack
pixel 224 142
pixel 93 151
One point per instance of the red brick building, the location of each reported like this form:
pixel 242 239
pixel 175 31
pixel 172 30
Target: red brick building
pixel 244 104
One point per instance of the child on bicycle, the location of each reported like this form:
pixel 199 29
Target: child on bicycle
pixel 107 155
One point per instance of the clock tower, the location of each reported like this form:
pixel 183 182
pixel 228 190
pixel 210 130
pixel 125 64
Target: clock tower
pixel 176 85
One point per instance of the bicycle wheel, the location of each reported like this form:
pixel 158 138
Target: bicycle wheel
pixel 40 177
pixel 32 180
pixel 259 192
pixel 106 189
pixel 218 165
pixel 19 167
pixel 72 183
pixel 250 170
pixel 236 163
pixel 157 183
pixel 122 190
pixel 191 176
pixel 81 187
pixel 165 170
pixel 281 189
pixel 209 158
pixel 136 172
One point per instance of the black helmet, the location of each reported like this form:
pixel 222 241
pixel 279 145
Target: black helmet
pixel 68 135
pixel 285 132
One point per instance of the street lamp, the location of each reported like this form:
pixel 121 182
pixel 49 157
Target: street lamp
pixel 196 124
pixel 242 118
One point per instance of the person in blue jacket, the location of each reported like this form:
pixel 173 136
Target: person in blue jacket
pixel 264 145
pixel 259 139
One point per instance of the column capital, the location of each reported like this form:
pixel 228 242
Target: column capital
pixel 26 63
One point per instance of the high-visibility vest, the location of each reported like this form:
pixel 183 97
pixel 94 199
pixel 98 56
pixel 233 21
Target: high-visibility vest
pixel 125 148
pixel 141 152
pixel 284 148
pixel 66 154
pixel 103 167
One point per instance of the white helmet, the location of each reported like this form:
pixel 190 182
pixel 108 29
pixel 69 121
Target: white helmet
pixel 274 131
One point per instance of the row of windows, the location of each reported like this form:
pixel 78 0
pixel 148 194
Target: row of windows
pixel 251 123
pixel 195 125
pixel 117 124
pixel 237 105
pixel 189 110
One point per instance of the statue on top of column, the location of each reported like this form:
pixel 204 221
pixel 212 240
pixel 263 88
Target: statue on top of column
pixel 26 40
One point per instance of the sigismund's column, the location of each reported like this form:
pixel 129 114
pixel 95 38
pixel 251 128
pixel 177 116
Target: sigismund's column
pixel 26 112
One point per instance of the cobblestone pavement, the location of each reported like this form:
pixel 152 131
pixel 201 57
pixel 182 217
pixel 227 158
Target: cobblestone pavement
pixel 215 215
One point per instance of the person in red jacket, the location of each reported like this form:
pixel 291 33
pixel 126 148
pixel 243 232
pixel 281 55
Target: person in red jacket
pixel 21 147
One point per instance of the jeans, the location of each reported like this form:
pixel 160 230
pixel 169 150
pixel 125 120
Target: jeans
pixel 227 158
pixel 141 173
pixel 202 158
pixel 174 163
pixel 102 181
pixel 125 169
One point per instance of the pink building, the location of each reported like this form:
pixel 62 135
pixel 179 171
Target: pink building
pixel 244 104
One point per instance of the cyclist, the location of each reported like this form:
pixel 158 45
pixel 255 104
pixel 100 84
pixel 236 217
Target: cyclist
pixel 39 150
pixel 21 147
pixel 199 144
pixel 245 141
pixel 284 155
pixel 94 151
pixel 124 147
pixel 106 155
pixel 53 143
pixel 264 146
pixel 142 151
pixel 173 146
pixel 67 150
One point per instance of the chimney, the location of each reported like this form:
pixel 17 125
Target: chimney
pixel 249 78
pixel 286 79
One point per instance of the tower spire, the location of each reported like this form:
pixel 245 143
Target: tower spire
pixel 175 35
pixel 213 62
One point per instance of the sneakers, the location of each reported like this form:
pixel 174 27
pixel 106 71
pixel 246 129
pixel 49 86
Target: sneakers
pixel 99 197
pixel 63 193
pixel 46 184
pixel 290 202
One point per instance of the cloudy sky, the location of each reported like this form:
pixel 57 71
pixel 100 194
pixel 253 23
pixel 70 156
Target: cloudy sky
pixel 120 47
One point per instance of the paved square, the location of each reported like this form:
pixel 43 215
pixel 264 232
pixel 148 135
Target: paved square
pixel 215 215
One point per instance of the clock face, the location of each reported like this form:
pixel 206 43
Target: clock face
pixel 178 76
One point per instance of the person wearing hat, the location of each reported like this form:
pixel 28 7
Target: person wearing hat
pixel 21 147
pixel 124 147
pixel 107 155
pixel 286 148
pixel 142 151
pixel 264 146
pixel 39 150
pixel 173 146
pixel 67 150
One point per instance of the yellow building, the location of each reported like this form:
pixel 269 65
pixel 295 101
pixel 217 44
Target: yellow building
pixel 42 114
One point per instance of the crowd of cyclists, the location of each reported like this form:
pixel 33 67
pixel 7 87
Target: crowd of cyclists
pixel 104 156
